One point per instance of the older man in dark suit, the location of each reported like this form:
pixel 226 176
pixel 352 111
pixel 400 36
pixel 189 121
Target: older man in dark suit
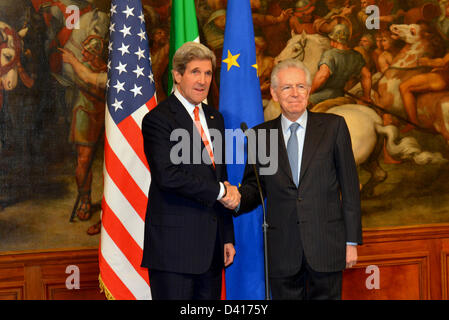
pixel 313 201
pixel 189 235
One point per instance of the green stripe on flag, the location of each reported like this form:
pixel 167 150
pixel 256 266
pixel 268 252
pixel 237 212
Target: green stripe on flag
pixel 183 28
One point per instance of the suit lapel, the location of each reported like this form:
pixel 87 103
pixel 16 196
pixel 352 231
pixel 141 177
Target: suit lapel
pixel 314 132
pixel 181 115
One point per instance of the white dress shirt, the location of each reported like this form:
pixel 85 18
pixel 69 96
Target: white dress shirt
pixel 300 134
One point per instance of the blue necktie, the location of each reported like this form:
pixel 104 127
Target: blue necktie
pixel 293 152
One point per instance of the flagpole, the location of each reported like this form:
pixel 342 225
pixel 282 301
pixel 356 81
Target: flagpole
pixel 251 159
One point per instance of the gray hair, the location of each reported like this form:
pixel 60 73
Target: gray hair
pixel 191 51
pixel 289 63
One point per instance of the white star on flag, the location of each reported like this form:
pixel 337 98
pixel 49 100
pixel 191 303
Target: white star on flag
pixel 142 18
pixel 125 31
pixel 140 53
pixel 119 86
pixel 136 90
pixel 117 104
pixel 123 49
pixel 121 67
pixel 138 72
pixel 142 35
pixel 129 12
pixel 113 7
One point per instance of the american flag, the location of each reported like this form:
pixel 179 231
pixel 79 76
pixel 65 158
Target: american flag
pixel 130 95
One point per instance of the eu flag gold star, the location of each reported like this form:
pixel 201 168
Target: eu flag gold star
pixel 231 60
pixel 255 66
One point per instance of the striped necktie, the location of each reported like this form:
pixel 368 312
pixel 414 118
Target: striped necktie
pixel 196 113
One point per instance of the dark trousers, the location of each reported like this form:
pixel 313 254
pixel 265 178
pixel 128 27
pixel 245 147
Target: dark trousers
pixel 181 286
pixel 307 284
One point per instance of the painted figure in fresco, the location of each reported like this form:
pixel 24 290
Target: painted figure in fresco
pixel 10 65
pixel 23 111
pixel 420 41
pixel 159 59
pixel 87 44
pixel 390 49
pixel 157 13
pixel 365 48
pixel 339 12
pixel 213 30
pixel 271 24
pixel 336 67
pixel 303 17
pixel 98 81
pixel 264 66
pixel 56 13
pixel 436 80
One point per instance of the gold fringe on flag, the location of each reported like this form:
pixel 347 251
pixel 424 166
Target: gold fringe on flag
pixel 104 289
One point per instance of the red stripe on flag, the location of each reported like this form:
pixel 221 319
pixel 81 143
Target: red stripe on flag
pixel 151 103
pixel 123 180
pixel 223 286
pixel 112 282
pixel 133 134
pixel 123 240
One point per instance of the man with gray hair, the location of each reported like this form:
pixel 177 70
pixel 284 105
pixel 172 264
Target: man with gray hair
pixel 313 201
pixel 189 235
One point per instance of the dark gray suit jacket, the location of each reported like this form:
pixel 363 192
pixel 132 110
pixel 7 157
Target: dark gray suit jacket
pixel 323 213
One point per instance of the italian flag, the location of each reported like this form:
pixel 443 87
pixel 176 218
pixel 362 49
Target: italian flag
pixel 183 28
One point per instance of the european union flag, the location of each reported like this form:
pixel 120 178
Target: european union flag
pixel 241 100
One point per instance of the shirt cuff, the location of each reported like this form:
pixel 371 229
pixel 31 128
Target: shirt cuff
pixel 351 243
pixel 222 191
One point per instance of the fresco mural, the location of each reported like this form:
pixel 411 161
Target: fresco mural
pixel 391 83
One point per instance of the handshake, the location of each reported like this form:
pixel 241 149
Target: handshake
pixel 231 200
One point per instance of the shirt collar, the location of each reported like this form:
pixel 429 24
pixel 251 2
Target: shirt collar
pixel 187 105
pixel 302 121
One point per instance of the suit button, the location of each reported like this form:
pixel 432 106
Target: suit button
pixel 214 219
pixel 297 222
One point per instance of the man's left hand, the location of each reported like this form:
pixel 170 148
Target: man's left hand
pixel 229 253
pixel 351 255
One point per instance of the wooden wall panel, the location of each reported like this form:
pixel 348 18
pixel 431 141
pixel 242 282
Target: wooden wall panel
pixel 413 263
pixel 42 275
pixel 11 291
pixel 400 277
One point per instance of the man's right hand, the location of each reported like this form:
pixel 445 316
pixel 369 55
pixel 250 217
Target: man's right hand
pixel 232 198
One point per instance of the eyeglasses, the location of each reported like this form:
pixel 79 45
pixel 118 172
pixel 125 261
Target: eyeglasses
pixel 300 88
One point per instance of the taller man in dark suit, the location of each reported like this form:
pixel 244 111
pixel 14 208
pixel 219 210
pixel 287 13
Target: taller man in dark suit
pixel 189 235
pixel 313 202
